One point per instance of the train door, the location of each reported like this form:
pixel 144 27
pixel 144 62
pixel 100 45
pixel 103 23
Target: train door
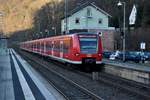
pixel 52 48
pixel 44 47
pixel 36 46
pixel 61 49
pixel 33 46
pixel 40 47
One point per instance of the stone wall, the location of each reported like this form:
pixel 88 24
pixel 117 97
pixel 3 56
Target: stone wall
pixel 138 76
pixel 107 38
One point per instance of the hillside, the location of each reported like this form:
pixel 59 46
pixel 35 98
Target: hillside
pixel 18 14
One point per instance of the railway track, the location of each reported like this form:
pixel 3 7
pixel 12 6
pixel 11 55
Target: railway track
pixel 125 84
pixel 140 89
pixel 62 84
pixel 105 79
pixel 128 85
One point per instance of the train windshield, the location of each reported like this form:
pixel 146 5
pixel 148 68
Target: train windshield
pixel 88 45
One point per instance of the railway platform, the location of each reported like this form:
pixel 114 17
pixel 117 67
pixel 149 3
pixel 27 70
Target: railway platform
pixel 131 71
pixel 134 66
pixel 19 81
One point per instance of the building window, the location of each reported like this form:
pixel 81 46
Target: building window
pixel 100 21
pixel 77 21
pixel 89 12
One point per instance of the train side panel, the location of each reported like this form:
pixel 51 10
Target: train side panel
pixel 75 49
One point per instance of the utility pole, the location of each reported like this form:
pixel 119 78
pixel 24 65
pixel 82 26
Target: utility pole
pixel 66 19
pixel 124 27
pixel 39 24
pixel 124 31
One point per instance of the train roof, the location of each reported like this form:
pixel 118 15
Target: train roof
pixel 56 37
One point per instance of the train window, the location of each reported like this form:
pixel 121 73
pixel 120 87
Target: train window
pixel 88 45
pixel 66 45
pixel 33 45
pixel 48 46
pixel 42 46
pixel 56 47
pixel 61 47
pixel 38 45
pixel 52 46
pixel 65 48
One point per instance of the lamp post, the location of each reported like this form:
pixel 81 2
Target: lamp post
pixel 47 32
pixel 66 20
pixel 41 35
pixel 124 26
pixel 37 35
pixel 54 29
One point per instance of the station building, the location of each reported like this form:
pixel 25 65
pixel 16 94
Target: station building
pixel 89 17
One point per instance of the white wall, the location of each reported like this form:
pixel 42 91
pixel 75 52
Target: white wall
pixel 87 23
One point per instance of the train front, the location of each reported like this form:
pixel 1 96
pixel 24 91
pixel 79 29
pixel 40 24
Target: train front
pixel 88 48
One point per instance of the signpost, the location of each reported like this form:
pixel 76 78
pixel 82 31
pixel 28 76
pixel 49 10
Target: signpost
pixel 142 47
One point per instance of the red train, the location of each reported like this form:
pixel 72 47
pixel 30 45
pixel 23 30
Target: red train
pixel 79 48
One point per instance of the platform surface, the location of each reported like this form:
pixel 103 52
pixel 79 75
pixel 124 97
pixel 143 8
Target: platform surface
pixel 6 83
pixel 132 66
pixel 19 81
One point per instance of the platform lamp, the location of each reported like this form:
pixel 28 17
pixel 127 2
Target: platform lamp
pixel 41 35
pixel 124 30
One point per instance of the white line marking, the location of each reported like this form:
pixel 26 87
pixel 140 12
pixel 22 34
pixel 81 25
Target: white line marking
pixel 26 90
pixel 38 83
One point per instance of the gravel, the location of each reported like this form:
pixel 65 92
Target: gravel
pixel 106 91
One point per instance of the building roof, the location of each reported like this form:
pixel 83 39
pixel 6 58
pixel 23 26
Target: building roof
pixel 82 6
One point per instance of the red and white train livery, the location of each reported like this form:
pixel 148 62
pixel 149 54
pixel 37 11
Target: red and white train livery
pixel 79 48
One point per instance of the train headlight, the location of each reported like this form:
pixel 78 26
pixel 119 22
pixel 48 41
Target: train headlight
pixel 77 54
pixel 100 55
